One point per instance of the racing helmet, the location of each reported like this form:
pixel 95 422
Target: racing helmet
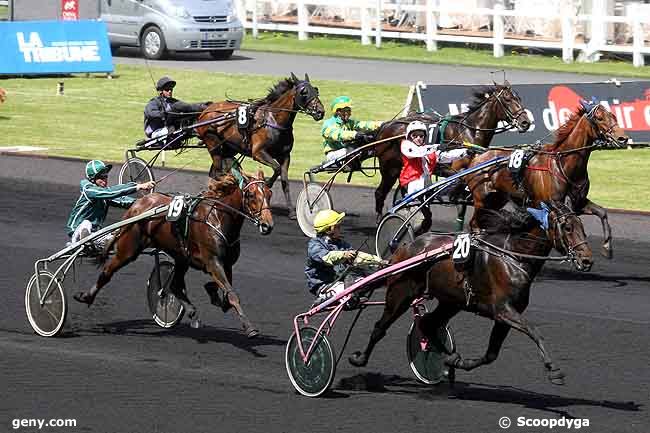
pixel 96 167
pixel 327 218
pixel 341 102
pixel 416 125
pixel 165 82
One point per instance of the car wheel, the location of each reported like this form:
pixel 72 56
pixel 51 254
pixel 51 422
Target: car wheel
pixel 221 54
pixel 153 44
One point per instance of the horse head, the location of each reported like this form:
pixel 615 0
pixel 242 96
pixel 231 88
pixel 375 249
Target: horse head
pixel 567 234
pixel 306 99
pixel 257 197
pixel 604 123
pixel 511 108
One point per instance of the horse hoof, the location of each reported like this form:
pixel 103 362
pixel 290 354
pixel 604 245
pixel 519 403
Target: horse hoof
pixel 358 359
pixel 607 252
pixel 452 360
pixel 556 377
pixel 196 323
pixel 84 298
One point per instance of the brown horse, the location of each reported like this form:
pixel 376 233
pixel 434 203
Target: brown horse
pixel 211 245
pixel 555 171
pixel 269 138
pixel 495 283
pixel 491 105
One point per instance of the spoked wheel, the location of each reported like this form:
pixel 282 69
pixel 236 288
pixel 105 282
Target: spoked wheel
pixel 136 170
pixel 391 235
pixel 47 308
pixel 166 310
pixel 426 361
pixel 316 376
pixel 304 213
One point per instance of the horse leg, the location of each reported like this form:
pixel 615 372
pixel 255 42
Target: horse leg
pixel 228 297
pixel 284 178
pixel 591 208
pixel 127 248
pixel 436 319
pixel 388 179
pixel 398 301
pixel 179 290
pixel 497 337
pixel 513 319
pixel 266 159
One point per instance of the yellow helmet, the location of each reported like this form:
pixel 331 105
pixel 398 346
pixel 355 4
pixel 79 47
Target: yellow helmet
pixel 327 218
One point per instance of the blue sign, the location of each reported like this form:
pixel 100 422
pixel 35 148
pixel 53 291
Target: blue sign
pixel 46 47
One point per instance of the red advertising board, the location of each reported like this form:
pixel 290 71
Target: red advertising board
pixel 69 10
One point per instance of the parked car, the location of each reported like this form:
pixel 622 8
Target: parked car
pixel 160 26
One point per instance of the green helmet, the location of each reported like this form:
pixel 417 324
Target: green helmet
pixel 341 102
pixel 96 167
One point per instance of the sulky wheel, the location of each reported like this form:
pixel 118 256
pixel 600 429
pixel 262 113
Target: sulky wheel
pixel 426 361
pixel 46 308
pixel 316 376
pixel 391 235
pixel 306 215
pixel 166 310
pixel 136 170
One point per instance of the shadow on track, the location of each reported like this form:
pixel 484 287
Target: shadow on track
pixel 568 275
pixel 203 335
pixel 379 383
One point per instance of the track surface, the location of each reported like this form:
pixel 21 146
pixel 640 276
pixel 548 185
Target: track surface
pixel 117 372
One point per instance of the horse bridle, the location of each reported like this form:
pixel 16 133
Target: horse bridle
pixel 602 136
pixel 254 217
pixel 512 118
pixel 559 220
pixel 312 95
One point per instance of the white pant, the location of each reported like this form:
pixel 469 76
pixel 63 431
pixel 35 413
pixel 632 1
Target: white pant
pixel 335 154
pixel 415 185
pixel 449 156
pixel 82 230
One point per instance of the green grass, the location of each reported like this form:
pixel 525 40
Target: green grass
pixel 340 46
pixel 4 12
pixel 101 118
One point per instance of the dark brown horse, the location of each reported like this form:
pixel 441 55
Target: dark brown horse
pixel 555 171
pixel 211 245
pixel 492 105
pixel 495 283
pixel 269 138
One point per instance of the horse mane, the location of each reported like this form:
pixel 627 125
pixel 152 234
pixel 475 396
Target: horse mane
pixel 478 98
pixel 222 187
pixel 280 88
pixel 566 129
pixel 504 221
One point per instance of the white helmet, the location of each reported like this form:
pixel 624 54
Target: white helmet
pixel 416 126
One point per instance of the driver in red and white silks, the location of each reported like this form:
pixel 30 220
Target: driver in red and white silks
pixel 418 159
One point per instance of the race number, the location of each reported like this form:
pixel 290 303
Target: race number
pixel 242 116
pixel 462 248
pixel 516 158
pixel 176 208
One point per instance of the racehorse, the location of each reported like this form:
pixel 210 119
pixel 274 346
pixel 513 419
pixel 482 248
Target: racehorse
pixel 495 283
pixel 269 139
pixel 211 245
pixel 491 105
pixel 555 171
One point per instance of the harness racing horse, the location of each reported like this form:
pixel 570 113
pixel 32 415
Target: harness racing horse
pixel 491 105
pixel 495 283
pixel 556 170
pixel 269 138
pixel 212 244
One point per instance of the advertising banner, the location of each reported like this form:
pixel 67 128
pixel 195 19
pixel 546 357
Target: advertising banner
pixel 549 106
pixel 69 10
pixel 49 47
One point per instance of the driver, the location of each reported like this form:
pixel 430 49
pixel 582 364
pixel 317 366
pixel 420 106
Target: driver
pixel 341 133
pixel 163 114
pixel 327 257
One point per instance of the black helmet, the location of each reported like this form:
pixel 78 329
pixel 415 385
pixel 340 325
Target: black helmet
pixel 165 82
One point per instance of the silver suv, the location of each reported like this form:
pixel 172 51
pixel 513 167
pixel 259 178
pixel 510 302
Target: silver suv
pixel 159 26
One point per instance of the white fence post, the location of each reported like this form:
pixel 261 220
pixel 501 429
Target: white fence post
pixel 366 27
pixel 498 31
pixel 378 29
pixel 638 38
pixel 432 27
pixel 303 21
pixel 240 6
pixel 567 39
pixel 255 29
